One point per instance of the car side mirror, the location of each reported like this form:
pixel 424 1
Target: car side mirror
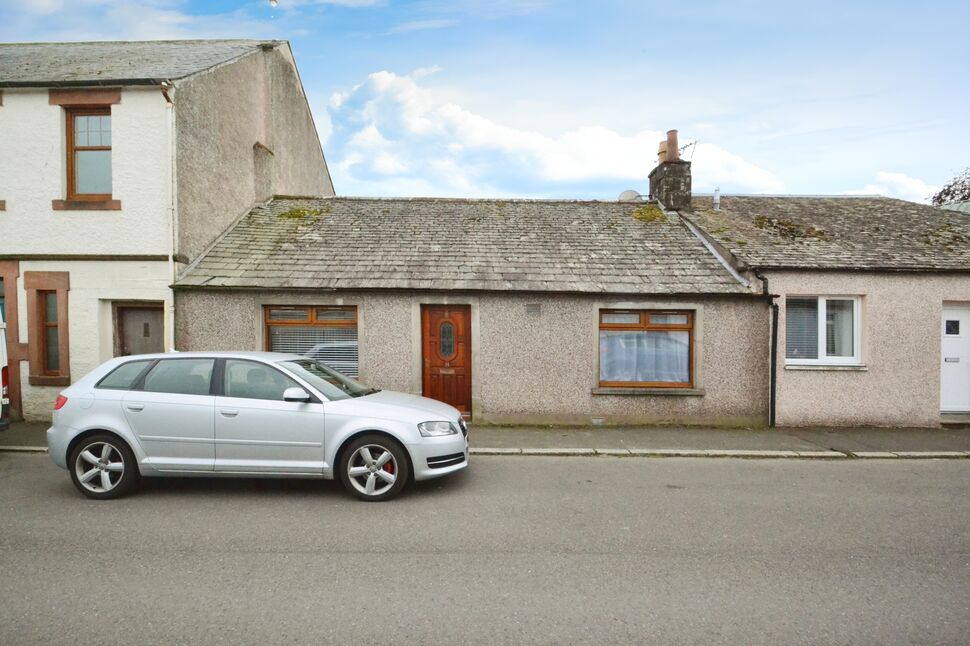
pixel 295 395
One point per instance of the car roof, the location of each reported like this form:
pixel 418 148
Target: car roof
pixel 260 356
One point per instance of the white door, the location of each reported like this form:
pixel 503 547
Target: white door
pixel 955 361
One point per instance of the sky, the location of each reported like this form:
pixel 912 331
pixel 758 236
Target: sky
pixel 569 99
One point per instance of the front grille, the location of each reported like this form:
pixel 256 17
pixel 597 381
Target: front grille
pixel 442 461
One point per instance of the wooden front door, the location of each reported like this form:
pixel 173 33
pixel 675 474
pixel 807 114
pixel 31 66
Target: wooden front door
pixel 446 340
pixel 139 330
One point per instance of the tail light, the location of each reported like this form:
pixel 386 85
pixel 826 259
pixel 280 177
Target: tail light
pixel 59 402
pixel 4 382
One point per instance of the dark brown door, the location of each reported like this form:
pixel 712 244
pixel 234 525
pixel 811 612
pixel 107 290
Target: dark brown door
pixel 447 353
pixel 139 330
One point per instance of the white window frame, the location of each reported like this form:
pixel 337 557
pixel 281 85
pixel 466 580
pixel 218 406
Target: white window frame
pixel 823 360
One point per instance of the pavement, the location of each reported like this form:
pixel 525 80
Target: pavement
pixel 801 443
pixel 513 550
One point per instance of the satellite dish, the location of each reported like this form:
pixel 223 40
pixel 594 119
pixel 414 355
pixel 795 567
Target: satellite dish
pixel 630 196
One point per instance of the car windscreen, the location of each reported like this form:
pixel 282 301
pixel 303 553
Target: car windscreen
pixel 328 381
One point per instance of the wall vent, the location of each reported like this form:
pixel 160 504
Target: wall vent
pixel 533 308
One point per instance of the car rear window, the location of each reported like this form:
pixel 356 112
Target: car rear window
pixel 124 376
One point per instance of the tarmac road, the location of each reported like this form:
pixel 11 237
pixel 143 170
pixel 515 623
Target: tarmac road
pixel 553 550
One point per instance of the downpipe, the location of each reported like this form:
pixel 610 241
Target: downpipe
pixel 773 358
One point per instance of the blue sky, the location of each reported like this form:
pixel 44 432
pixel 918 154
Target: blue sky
pixel 547 98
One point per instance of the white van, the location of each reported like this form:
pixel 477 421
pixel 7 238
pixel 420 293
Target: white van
pixel 4 378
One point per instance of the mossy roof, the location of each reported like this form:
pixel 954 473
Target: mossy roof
pixel 842 232
pixel 461 244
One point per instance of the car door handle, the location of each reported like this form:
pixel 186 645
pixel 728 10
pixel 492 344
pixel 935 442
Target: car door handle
pixel 229 412
pixel 135 407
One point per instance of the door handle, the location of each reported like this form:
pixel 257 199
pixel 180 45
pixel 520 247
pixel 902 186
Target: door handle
pixel 228 412
pixel 135 407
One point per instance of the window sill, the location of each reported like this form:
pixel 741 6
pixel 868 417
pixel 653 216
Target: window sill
pixel 86 205
pixel 682 392
pixel 47 380
pixel 828 366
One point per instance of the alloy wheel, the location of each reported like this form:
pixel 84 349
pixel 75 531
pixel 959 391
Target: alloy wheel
pixel 372 470
pixel 100 467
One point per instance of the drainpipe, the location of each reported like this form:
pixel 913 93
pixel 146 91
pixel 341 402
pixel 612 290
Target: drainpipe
pixel 772 390
pixel 167 87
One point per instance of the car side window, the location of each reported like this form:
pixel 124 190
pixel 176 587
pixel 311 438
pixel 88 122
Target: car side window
pixel 180 376
pixel 124 376
pixel 253 380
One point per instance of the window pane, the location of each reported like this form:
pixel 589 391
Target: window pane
pixel 618 318
pixel 106 131
pixel 280 314
pixel 668 319
pixel 50 307
pixel 839 328
pixel 446 339
pixel 123 377
pixel 52 361
pixel 255 381
pixel 952 326
pixel 335 315
pixel 662 357
pixel 92 171
pixel 801 328
pixel 334 346
pixel 180 376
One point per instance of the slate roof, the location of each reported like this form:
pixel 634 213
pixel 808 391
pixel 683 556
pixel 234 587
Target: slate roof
pixel 113 63
pixel 959 207
pixel 460 244
pixel 856 233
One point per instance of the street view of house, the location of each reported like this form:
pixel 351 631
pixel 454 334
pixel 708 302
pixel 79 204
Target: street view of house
pixel 388 322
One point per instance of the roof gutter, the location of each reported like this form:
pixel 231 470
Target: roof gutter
pixel 88 83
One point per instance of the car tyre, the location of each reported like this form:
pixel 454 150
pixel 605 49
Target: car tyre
pixel 102 467
pixel 374 467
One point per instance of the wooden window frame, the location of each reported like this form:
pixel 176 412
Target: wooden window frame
pixel 73 148
pixel 645 325
pixel 36 284
pixel 45 325
pixel 310 321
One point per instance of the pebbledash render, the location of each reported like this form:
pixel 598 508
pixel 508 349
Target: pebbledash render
pixel 675 309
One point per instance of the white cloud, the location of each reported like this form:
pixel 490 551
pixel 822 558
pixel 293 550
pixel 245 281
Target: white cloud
pixel 420 25
pixel 391 124
pixel 898 185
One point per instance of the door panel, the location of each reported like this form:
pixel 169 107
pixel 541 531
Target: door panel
pixel 256 431
pixel 955 360
pixel 172 414
pixel 446 353
pixel 258 435
pixel 139 331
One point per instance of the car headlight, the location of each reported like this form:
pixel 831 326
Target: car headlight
pixel 436 429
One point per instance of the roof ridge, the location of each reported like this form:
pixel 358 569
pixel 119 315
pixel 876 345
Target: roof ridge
pixel 147 42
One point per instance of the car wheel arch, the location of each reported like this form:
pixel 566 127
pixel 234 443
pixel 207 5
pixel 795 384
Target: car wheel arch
pixel 338 456
pixel 80 437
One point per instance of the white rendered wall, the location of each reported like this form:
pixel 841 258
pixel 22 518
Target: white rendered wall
pixel 94 285
pixel 33 173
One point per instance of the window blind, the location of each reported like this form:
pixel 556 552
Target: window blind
pixel 801 328
pixel 334 346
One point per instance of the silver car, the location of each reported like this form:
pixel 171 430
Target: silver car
pixel 247 414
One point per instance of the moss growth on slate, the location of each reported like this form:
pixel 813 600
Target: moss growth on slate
pixel 789 229
pixel 648 213
pixel 301 213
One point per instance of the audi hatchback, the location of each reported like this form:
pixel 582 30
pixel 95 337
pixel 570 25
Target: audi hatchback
pixel 247 414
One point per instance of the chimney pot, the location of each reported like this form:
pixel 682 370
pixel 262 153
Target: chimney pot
pixel 673 150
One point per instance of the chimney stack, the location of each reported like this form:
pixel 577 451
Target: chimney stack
pixel 670 180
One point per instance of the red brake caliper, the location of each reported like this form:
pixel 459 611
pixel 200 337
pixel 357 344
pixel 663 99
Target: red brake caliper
pixel 389 467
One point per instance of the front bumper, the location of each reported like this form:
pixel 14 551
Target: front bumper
pixel 433 457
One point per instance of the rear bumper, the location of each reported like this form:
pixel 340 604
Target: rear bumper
pixel 58 438
pixel 434 457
